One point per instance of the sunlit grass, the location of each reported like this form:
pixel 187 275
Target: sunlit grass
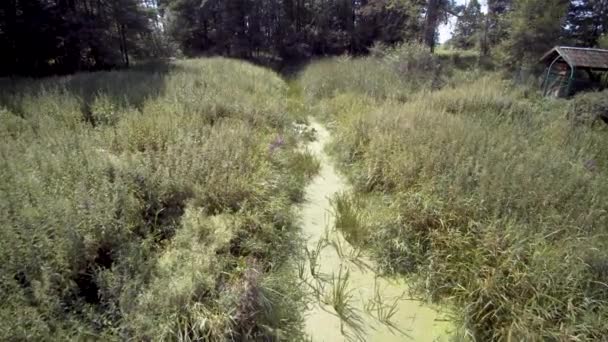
pixel 483 192
pixel 150 204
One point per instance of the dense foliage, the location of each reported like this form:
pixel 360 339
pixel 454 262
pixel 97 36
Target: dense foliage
pixel 290 28
pixel 41 37
pixel 587 21
pixel 534 28
pixel 468 27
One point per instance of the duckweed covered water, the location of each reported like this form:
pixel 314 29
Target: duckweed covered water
pixel 349 300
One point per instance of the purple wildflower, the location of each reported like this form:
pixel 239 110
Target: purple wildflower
pixel 277 143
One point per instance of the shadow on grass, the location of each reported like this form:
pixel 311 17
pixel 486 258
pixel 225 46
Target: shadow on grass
pixel 123 88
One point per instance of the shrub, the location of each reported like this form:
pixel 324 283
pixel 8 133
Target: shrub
pixel 416 64
pixel 395 73
pixel 589 108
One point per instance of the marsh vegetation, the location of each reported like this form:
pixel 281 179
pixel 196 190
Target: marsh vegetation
pixel 476 189
pixel 161 202
pixel 150 204
pixel 389 180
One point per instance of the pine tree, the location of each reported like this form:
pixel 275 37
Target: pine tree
pixel 497 21
pixel 290 29
pixel 534 27
pixel 468 26
pixel 586 22
pixel 436 12
pixel 63 36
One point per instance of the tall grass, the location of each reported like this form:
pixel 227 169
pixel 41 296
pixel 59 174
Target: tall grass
pixel 149 204
pixel 394 76
pixel 484 193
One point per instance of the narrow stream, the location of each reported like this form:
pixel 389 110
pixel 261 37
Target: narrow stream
pixel 349 301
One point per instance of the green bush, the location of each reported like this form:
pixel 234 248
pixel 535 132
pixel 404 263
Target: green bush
pixel 415 64
pixel 589 108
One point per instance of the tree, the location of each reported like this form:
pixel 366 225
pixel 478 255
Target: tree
pixel 534 27
pixel 436 12
pixel 497 21
pixel 389 22
pixel 290 29
pixel 468 26
pixel 586 22
pixel 62 36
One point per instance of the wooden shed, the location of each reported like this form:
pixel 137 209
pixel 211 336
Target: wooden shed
pixel 571 69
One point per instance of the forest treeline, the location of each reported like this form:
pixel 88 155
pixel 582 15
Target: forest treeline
pixel 40 37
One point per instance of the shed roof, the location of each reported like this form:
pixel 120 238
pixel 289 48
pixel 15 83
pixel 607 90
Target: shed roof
pixel 579 57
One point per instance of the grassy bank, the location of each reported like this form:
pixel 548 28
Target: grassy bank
pixel 154 203
pixel 480 191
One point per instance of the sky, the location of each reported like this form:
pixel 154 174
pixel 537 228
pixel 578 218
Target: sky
pixel 445 31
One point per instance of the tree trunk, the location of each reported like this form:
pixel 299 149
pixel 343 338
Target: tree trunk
pixel 11 34
pixel 430 23
pixel 125 49
pixel 484 44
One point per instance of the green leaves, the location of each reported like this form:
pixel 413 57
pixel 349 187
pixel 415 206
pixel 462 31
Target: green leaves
pixel 534 27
